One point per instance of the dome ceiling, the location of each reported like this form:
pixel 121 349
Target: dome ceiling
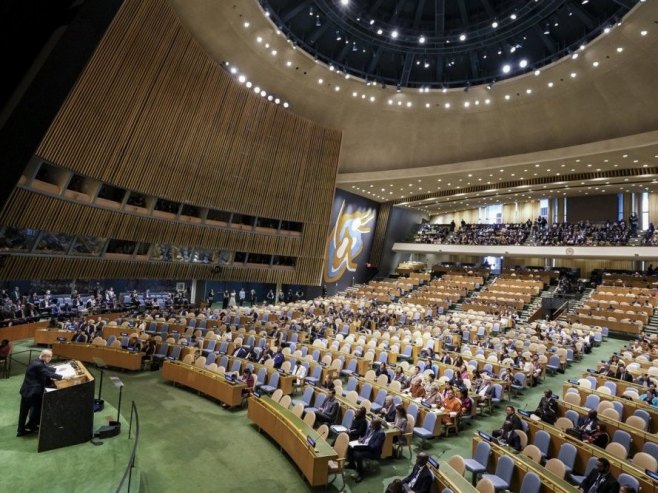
pixel 442 43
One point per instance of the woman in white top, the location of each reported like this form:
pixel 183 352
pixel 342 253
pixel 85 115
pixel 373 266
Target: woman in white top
pixel 300 374
pixel 231 301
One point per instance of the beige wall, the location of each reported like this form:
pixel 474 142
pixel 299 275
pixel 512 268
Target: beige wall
pixel 471 216
pixel 522 211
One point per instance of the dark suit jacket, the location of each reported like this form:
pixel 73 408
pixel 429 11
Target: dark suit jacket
pixel 37 376
pixel 516 422
pixel 609 484
pixel 424 481
pixel 512 439
pixel 389 414
pixel 627 377
pixel 359 428
pixel 375 444
pixel 330 409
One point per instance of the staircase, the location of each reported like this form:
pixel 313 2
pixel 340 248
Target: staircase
pixel 652 326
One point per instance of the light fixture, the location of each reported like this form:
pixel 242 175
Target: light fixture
pixel 421 40
pixel 506 69
pixel 394 34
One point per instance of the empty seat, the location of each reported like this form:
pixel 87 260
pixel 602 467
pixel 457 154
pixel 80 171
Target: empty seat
pixel 502 478
pixel 531 483
pixel 591 464
pixel 478 464
pixel 556 467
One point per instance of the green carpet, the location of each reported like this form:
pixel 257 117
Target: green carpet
pixel 189 443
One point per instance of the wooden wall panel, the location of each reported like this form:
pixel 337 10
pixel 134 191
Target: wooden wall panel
pixel 19 267
pixel 379 238
pixel 153 113
pixel 28 209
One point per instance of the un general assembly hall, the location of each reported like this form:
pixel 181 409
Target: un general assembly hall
pixel 361 246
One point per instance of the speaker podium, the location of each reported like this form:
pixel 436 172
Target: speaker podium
pixel 67 411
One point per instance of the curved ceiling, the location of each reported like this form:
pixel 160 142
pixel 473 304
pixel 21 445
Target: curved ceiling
pixel 440 43
pixel 599 100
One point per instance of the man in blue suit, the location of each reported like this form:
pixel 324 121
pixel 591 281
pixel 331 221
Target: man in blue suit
pixel 368 447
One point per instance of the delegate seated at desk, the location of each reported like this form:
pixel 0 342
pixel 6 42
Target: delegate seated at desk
pixel 368 447
pixel 419 480
pixel 328 412
pixel 600 480
pixel 547 409
pixel 359 424
pixel 510 417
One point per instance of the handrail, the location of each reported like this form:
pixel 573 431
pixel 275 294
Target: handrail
pixel 127 474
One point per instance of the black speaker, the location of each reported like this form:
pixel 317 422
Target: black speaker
pixel 112 429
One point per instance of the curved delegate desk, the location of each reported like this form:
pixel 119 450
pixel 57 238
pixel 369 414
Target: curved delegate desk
pixel 114 357
pixel 587 450
pixel 51 336
pixel 205 381
pixel 291 434
pixel 446 477
pixel 550 483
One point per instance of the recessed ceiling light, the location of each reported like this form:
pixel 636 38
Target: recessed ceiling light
pixel 620 49
pixel 644 33
pixel 573 75
pixel 394 34
pixel 595 64
pixel 506 69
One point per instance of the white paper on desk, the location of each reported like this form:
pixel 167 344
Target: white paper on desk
pixel 65 370
pixel 356 443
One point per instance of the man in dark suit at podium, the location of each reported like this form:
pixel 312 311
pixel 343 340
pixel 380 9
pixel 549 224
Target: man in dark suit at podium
pixel 37 376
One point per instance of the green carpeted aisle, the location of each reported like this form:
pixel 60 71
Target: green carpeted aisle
pixel 191 443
